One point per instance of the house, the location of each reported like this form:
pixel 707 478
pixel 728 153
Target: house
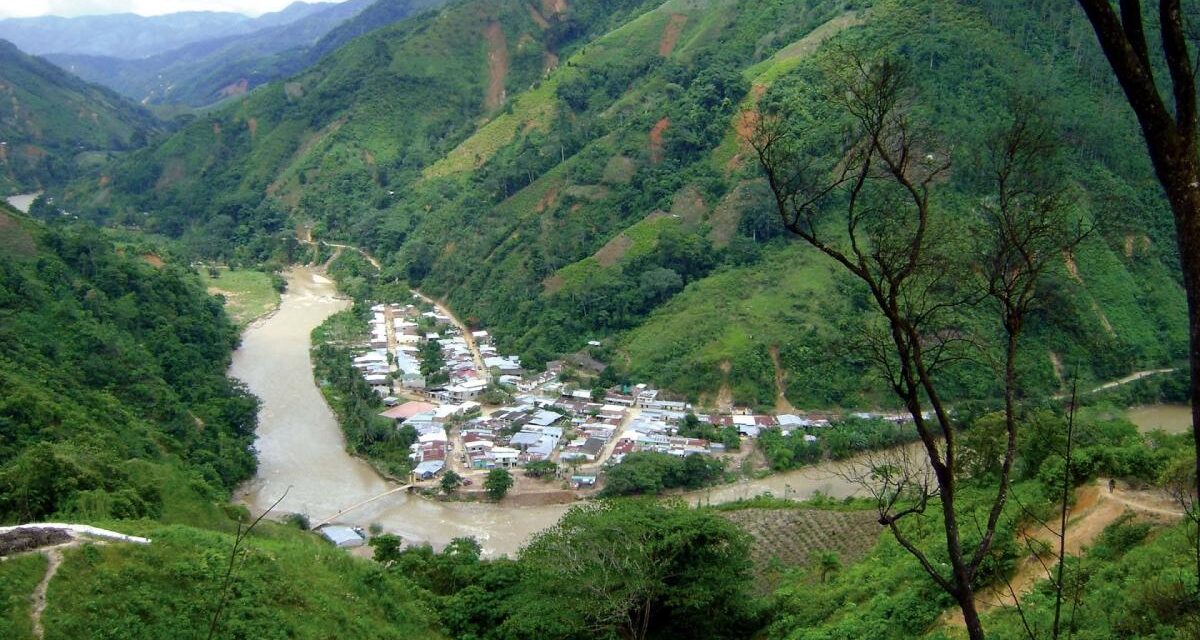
pixel 544 418
pixel 589 450
pixel 412 381
pixel 403 412
pixel 464 391
pixel 342 536
pixel 525 439
pixel 429 469
pixel 504 457
pixel 478 446
pixel 593 447
pixel 580 482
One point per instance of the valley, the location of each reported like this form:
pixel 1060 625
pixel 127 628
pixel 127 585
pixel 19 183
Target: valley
pixel 600 320
pixel 301 449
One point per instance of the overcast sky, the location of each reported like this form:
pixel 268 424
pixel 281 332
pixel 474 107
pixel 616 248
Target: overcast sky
pixel 26 8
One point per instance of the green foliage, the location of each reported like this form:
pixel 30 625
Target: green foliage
pixel 52 122
pixel 451 481
pixel 651 473
pixel 497 483
pixel 248 294
pixel 838 441
pixel 287 585
pixel 541 469
pixel 18 577
pixel 113 396
pixel 356 405
pixel 626 566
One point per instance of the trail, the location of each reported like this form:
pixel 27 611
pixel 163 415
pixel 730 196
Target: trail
pixel 53 561
pixel 79 534
pixel 1133 377
pixel 1094 510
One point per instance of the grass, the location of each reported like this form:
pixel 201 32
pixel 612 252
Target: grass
pixel 248 293
pixel 19 575
pixel 733 316
pixel 533 110
pixel 289 584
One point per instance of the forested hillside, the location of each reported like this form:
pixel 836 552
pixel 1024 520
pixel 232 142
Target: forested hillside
pixel 564 171
pixel 115 410
pixel 53 125
pixel 215 69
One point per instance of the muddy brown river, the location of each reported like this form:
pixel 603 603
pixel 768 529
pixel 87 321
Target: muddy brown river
pixel 301 449
pixel 1172 418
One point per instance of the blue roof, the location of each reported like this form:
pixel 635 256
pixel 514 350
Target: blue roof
pixel 429 468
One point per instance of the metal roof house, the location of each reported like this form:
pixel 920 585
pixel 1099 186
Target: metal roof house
pixel 342 536
pixel 429 469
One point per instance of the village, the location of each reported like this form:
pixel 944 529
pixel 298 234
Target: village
pixel 474 409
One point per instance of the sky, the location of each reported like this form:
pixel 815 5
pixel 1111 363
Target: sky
pixel 27 8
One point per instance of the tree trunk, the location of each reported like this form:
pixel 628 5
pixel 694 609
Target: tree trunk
pixel 1184 195
pixel 971 616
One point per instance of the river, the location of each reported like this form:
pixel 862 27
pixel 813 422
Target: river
pixel 1172 418
pixel 301 446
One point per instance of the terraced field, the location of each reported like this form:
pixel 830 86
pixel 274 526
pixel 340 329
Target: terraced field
pixel 790 538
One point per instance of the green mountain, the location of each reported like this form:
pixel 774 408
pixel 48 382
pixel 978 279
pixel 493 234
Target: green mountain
pixel 128 35
pixel 211 70
pixel 567 171
pixel 53 126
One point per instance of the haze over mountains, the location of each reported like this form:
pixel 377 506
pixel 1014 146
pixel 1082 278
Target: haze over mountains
pixel 198 58
pixel 127 35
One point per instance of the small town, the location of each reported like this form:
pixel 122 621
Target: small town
pixel 481 410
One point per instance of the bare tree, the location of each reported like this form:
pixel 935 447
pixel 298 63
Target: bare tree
pixel 870 209
pixel 1169 124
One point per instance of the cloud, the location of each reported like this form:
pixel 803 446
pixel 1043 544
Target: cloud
pixel 69 8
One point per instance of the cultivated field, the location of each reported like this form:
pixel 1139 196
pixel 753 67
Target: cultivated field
pixel 790 538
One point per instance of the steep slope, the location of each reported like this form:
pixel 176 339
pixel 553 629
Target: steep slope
pixel 572 182
pixel 361 122
pixel 211 70
pixel 128 35
pixel 53 125
pixel 115 411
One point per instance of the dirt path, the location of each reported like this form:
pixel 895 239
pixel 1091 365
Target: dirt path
pixel 1133 377
pixel 1094 510
pixel 53 561
pixel 782 405
pixel 78 535
pixel 462 328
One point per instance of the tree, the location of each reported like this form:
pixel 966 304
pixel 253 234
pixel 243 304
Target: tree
pixel 541 469
pixel 451 481
pixel 641 568
pixel 497 483
pixel 1171 140
pixel 826 562
pixel 922 275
